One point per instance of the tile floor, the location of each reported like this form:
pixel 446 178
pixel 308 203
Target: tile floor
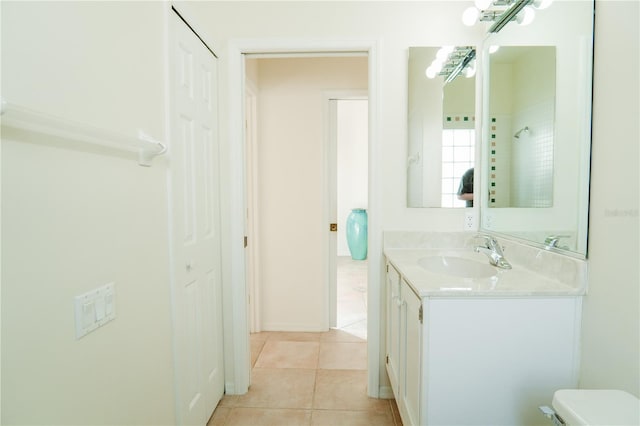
pixel 352 296
pixel 313 379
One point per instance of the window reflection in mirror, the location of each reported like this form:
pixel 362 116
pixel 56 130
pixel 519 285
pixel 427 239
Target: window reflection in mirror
pixel 522 119
pixel 441 125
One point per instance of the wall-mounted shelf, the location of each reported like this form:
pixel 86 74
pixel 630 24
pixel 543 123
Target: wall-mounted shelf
pixel 17 117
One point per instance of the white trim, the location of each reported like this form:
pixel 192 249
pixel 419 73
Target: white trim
pixel 329 182
pixel 386 393
pixel 236 343
pixel 168 98
pixel 253 233
pixel 237 350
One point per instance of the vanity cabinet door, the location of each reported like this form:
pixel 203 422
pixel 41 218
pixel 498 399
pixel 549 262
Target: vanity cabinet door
pixel 404 343
pixel 394 312
pixel 411 345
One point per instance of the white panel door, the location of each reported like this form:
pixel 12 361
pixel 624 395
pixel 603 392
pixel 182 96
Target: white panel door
pixel 195 227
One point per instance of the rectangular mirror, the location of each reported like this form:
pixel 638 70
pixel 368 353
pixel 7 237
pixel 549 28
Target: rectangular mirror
pixel 441 127
pixel 536 128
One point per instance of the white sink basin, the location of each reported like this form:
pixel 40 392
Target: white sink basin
pixel 457 266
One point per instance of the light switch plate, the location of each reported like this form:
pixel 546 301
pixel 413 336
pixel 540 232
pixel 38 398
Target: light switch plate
pixel 94 309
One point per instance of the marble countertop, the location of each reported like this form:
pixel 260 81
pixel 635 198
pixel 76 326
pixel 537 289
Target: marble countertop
pixel 516 282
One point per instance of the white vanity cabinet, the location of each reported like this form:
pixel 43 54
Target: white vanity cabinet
pixel 478 360
pixel 404 336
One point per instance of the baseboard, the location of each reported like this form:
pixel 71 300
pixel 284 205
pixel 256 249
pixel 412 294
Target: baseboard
pixel 385 392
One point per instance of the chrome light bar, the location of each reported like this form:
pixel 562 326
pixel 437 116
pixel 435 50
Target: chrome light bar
pixel 508 15
pixel 457 67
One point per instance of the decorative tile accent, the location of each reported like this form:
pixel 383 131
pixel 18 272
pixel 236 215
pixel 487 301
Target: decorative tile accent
pixel 494 146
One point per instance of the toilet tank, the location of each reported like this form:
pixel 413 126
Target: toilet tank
pixel 596 407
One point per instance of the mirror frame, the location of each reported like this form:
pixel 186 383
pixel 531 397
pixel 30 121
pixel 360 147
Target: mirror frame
pixel 582 113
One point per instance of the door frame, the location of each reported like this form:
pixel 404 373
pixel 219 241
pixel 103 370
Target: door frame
pixel 237 346
pixel 330 99
pixel 252 213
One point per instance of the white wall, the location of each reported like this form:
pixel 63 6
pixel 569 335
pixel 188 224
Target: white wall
pixel 74 219
pixel 611 319
pixel 291 185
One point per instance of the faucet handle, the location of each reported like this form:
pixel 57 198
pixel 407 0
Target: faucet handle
pixel 489 240
pixel 553 240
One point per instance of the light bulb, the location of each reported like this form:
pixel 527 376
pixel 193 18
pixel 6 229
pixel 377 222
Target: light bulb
pixel 430 72
pixel 470 16
pixel 526 16
pixel 482 4
pixel 470 70
pixel 542 4
pixel 437 65
pixel 443 53
pixel 494 48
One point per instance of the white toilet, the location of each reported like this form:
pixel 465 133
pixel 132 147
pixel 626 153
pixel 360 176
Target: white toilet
pixel 574 407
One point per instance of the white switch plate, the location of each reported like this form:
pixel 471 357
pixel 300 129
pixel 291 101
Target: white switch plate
pixel 94 309
pixel 470 220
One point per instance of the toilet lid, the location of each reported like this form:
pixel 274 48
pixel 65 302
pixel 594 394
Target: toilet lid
pixel 596 407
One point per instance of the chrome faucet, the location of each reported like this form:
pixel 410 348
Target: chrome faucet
pixel 552 241
pixel 493 251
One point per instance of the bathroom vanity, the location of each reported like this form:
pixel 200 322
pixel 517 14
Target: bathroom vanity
pixel 468 343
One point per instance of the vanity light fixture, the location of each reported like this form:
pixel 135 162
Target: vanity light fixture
pixel 450 61
pixel 501 12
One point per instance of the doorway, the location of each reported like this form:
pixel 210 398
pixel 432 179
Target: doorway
pixel 237 345
pixel 292 186
pixel 351 146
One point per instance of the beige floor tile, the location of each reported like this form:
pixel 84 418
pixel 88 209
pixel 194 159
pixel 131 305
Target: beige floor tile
pixel 219 416
pixel 340 335
pixel 343 356
pixel 358 329
pixel 294 336
pixel 279 388
pixel 228 401
pixel 284 354
pixel 344 390
pixel 260 337
pixel 268 417
pixel 352 295
pixel 256 347
pixel 381 417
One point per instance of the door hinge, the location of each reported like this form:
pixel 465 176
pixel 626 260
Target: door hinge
pixel 246 241
pixel 420 315
pixel 387 359
pixel 333 227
